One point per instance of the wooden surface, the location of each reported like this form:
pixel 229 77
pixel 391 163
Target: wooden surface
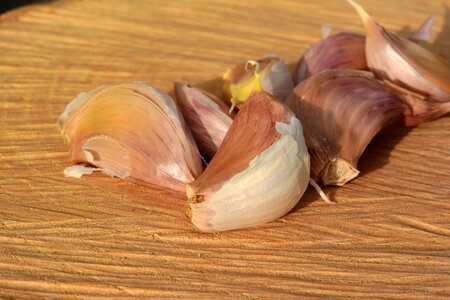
pixel 388 236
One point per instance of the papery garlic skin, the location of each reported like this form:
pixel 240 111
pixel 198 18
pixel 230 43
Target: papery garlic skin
pixel 423 33
pixel 78 170
pixel 344 50
pixel 207 116
pixel 132 131
pixel 278 81
pixel 405 63
pixel 269 74
pixel 254 188
pixel 341 111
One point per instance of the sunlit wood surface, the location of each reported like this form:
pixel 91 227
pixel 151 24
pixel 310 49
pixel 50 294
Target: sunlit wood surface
pixel 100 237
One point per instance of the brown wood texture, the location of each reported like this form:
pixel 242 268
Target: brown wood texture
pixel 100 237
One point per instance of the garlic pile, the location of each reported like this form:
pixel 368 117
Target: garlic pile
pixel 260 160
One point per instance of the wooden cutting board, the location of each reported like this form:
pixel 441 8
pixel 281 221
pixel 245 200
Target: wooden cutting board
pixel 100 237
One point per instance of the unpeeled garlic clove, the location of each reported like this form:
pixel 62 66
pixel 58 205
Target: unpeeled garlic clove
pixel 341 111
pixel 132 131
pixel 250 183
pixel 269 74
pixel 405 63
pixel 344 50
pixel 206 115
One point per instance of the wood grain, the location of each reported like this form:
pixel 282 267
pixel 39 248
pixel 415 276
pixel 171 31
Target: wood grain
pixel 99 237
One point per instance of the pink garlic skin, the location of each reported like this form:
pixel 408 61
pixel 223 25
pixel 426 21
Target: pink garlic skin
pixel 207 116
pixel 387 58
pixel 341 111
pixel 344 50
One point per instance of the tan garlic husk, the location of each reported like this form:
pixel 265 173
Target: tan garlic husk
pixel 132 131
pixel 344 50
pixel 341 111
pixel 407 64
pixel 259 172
pixel 206 115
pixel 269 74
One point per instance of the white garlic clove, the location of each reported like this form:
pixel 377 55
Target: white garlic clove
pixel 132 131
pixel 247 184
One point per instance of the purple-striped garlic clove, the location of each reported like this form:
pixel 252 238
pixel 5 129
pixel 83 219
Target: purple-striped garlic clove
pixel 344 50
pixel 251 183
pixel 408 65
pixel 268 74
pixel 132 131
pixel 341 111
pixel 206 115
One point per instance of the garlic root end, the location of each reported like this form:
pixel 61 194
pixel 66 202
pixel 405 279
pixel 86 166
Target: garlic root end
pixel 338 172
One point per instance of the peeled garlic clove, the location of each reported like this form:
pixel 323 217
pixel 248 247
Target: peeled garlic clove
pixel 206 115
pixel 344 50
pixel 404 62
pixel 259 172
pixel 269 74
pixel 341 111
pixel 422 34
pixel 132 131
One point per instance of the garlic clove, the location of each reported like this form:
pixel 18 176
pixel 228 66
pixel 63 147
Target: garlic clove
pixel 344 50
pixel 269 74
pixel 404 62
pixel 247 184
pixel 132 131
pixel 206 115
pixel 341 111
